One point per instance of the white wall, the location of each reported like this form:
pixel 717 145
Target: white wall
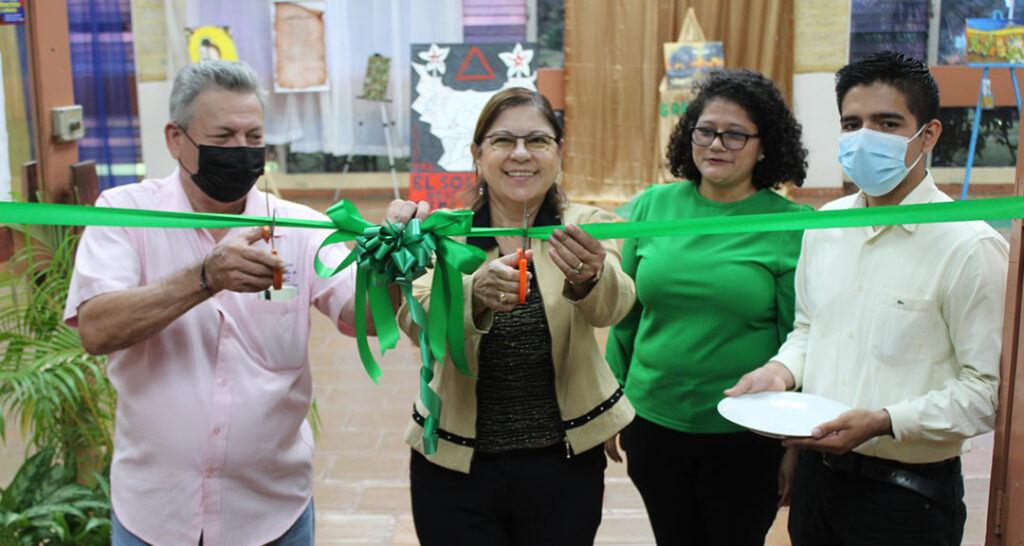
pixel 814 105
pixel 153 115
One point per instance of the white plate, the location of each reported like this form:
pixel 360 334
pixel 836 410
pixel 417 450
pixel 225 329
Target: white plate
pixel 780 414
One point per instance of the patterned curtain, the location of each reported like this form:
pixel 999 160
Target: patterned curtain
pixel 103 76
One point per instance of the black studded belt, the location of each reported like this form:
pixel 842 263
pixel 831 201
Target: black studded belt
pixel 905 475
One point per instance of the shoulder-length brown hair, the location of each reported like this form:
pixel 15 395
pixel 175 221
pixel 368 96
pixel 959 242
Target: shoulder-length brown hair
pixel 503 100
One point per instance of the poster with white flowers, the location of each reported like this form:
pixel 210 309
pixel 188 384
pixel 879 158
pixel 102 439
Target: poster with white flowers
pixel 451 83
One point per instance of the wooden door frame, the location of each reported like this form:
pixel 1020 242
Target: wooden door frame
pixel 1006 496
pixel 49 65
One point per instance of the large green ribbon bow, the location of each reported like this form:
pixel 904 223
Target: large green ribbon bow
pixel 396 254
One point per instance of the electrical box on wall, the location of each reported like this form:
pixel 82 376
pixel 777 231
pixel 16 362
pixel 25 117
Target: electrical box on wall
pixel 67 123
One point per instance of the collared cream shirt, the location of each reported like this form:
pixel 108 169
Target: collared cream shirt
pixel 908 319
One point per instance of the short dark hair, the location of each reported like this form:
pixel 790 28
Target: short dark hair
pixel 504 100
pixel 510 98
pixel 908 75
pixel 785 158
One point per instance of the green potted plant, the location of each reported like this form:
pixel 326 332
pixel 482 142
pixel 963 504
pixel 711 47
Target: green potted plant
pixel 58 395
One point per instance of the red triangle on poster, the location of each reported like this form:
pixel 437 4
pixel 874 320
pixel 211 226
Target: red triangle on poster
pixel 474 51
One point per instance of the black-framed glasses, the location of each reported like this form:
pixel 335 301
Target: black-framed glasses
pixel 731 140
pixel 506 142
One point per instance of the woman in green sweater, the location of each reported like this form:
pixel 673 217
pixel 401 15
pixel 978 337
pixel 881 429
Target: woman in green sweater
pixel 709 309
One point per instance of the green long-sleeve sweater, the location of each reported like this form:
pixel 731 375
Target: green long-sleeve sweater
pixel 709 308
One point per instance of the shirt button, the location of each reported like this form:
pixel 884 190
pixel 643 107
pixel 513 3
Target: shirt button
pixel 209 473
pixel 216 432
pixel 851 335
pixel 222 382
pixel 860 287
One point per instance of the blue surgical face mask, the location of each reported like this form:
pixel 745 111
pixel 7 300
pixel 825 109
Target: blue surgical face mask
pixel 875 161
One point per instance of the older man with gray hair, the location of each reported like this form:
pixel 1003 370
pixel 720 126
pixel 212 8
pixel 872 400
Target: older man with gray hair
pixel 210 364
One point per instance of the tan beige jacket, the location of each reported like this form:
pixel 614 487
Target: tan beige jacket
pixel 591 402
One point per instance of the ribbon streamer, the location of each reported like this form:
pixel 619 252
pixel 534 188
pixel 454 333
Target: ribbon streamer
pixel 392 253
pixel 1002 208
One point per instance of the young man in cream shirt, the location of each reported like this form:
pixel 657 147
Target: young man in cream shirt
pixel 902 323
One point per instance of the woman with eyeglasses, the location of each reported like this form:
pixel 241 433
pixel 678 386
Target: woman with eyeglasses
pixel 709 309
pixel 520 454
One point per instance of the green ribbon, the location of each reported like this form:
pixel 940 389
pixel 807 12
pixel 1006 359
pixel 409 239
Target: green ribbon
pixel 396 254
pixel 1002 208
pixel 392 253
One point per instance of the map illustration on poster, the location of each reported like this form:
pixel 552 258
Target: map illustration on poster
pixel 451 83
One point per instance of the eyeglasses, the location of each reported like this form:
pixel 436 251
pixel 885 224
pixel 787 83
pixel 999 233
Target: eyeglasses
pixel 506 142
pixel 731 140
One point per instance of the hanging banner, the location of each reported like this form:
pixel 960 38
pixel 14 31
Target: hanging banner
pixel 12 13
pixel 821 26
pixel 149 29
pixel 300 54
pixel 451 83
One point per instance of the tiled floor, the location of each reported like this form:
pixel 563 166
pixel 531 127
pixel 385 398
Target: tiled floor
pixel 361 486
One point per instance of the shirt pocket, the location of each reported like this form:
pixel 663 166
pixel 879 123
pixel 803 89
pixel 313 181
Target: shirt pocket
pixel 276 331
pixel 905 330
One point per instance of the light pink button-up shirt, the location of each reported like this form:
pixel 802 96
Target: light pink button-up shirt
pixel 210 435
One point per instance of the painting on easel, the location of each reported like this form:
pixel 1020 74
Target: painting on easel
pixel 995 40
pixel 687 62
pixel 375 86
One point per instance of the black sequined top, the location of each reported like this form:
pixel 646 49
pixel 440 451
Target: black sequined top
pixel 516 403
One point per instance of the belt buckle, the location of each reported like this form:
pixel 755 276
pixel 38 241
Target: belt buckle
pixel 828 460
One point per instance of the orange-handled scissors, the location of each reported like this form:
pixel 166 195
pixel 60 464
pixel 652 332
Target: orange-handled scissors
pixel 521 253
pixel 268 236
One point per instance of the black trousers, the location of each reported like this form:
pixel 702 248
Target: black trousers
pixel 715 489
pixel 528 497
pixel 832 506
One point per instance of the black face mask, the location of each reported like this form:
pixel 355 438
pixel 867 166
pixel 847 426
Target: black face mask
pixel 227 173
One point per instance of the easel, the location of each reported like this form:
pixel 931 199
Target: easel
pixel 388 126
pixel 977 113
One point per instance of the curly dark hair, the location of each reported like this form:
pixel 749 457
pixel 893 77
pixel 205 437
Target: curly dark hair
pixel 908 75
pixel 785 158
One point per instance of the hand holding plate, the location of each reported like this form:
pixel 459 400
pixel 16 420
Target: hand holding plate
pixel 849 430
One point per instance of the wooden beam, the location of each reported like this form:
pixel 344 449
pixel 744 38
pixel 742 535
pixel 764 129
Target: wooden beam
pixel 6 244
pixel 49 60
pixel 85 182
pixel 30 182
pixel 1006 489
